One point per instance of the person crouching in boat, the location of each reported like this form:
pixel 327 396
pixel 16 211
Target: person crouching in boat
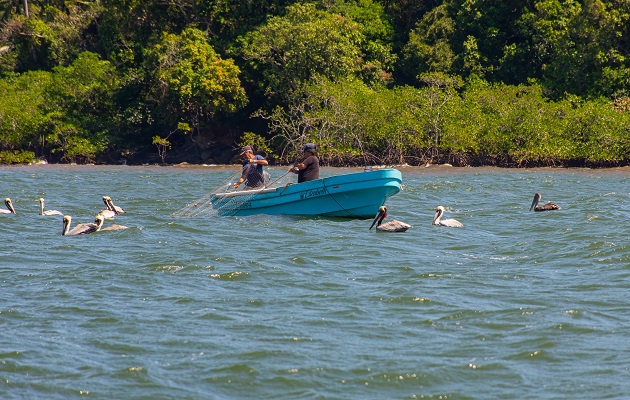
pixel 308 168
pixel 253 174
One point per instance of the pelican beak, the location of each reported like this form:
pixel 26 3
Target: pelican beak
pixel 10 206
pixel 110 206
pixel 379 215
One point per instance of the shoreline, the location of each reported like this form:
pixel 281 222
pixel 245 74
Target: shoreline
pixel 401 166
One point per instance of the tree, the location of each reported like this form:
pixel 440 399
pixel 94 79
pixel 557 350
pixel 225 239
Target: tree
pixel 289 50
pixel 50 37
pixel 377 47
pixel 190 82
pixel 351 122
pixel 22 118
pixel 11 8
pixel 163 144
pixel 440 90
pixel 429 46
pixel 582 45
pixel 79 106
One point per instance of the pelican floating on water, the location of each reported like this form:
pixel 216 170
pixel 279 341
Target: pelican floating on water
pixel 110 205
pixel 47 212
pixel 10 209
pixel 437 220
pixel 389 226
pixel 115 227
pixel 80 229
pixel 545 207
pixel 110 211
pixel 107 214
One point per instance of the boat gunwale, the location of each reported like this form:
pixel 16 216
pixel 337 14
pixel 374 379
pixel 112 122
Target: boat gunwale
pixel 251 192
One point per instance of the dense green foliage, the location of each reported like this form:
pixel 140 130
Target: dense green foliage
pixel 469 82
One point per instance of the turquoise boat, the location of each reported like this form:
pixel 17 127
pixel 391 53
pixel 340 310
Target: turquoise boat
pixel 355 195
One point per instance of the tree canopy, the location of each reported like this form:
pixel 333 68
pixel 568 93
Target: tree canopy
pixel 470 82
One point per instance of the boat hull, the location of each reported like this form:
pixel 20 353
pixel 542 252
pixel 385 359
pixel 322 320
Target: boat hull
pixel 356 195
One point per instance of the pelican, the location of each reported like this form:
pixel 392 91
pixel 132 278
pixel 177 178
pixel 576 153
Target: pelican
pixel 47 212
pixel 115 227
pixel 80 229
pixel 437 220
pixel 107 214
pixel 389 226
pixel 9 205
pixel 545 207
pixel 110 205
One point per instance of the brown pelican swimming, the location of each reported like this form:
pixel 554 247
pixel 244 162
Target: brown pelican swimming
pixel 389 226
pixel 9 205
pixel 437 220
pixel 545 207
pixel 110 205
pixel 115 227
pixel 80 229
pixel 47 212
pixel 107 214
pixel 110 210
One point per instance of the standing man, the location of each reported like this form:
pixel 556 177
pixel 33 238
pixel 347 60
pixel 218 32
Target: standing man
pixel 308 168
pixel 252 175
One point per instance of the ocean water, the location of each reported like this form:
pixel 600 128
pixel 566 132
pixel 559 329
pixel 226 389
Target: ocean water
pixel 515 304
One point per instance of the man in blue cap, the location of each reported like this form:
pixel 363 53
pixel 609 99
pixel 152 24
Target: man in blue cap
pixel 308 168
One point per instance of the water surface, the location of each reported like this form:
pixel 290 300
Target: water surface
pixel 515 304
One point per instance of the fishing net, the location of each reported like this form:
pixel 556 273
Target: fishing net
pixel 225 200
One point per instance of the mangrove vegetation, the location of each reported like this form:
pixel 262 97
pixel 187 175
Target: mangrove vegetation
pixel 467 82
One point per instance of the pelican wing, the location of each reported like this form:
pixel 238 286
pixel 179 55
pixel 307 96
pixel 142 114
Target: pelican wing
pixel 107 214
pixel 82 229
pixel 389 226
pixel 547 207
pixel 118 210
pixel 114 227
pixel 437 219
pixel 52 212
pixel 393 226
pixel 451 223
pixel 47 212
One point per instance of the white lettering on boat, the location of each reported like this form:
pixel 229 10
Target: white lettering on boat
pixel 313 193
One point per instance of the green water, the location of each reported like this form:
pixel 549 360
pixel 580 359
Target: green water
pixel 515 304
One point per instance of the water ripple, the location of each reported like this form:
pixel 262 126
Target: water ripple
pixel 515 304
